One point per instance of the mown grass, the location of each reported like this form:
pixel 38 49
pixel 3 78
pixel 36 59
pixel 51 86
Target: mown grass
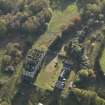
pixel 59 20
pixel 102 61
pixel 48 76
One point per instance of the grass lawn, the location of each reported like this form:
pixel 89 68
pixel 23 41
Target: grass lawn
pixel 58 21
pixel 49 75
pixel 102 61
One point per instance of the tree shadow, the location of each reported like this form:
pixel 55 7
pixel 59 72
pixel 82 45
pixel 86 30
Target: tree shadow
pixel 55 97
pixel 23 94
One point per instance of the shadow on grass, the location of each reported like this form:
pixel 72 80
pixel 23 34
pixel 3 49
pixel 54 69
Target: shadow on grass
pixel 55 97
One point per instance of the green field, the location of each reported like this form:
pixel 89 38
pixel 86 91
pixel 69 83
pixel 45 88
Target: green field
pixel 102 61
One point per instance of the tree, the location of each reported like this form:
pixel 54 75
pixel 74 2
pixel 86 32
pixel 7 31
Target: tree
pixel 5 6
pixel 14 50
pixel 31 25
pixel 103 9
pixel 22 16
pixel 74 48
pixel 6 61
pixel 86 97
pixel 4 103
pixel 83 74
pixel 38 22
pixel 47 14
pixel 84 3
pixel 37 6
pixel 54 3
pixel 93 8
pixel 3 27
pixel 99 101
